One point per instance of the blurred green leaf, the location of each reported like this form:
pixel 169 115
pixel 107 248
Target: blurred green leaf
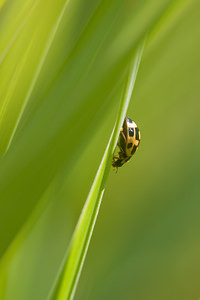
pixel 57 106
pixel 66 98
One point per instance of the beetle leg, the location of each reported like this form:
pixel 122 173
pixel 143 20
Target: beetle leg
pixel 115 168
pixel 118 144
pixel 115 158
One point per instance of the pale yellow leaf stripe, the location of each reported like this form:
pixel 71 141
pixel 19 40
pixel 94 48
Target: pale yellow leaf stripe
pixel 38 70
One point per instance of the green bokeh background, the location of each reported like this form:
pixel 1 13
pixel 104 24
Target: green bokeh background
pixel 146 241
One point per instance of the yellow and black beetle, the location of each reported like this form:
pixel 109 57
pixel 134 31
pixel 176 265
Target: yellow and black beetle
pixel 128 143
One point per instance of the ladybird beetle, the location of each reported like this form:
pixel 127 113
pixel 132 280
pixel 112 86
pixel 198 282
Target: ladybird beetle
pixel 128 143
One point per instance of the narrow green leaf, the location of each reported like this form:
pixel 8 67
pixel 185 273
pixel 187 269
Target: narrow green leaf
pixel 77 251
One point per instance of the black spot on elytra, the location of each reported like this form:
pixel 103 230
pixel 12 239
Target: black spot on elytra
pixel 134 149
pixel 129 145
pixel 137 134
pixel 131 131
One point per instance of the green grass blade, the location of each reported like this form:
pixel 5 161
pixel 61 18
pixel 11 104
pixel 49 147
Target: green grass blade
pixel 84 229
